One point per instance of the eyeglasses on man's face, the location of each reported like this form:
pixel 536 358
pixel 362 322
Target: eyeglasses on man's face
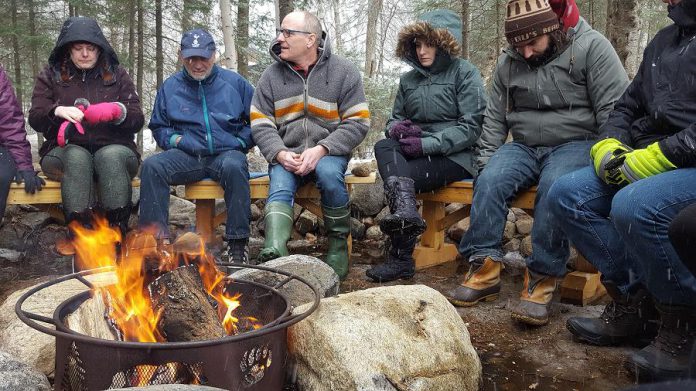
pixel 288 32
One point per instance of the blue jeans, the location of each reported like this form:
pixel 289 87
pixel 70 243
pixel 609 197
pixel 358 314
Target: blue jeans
pixel 624 231
pixel 514 168
pixel 175 167
pixel 329 176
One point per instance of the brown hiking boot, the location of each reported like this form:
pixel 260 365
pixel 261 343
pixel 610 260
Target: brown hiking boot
pixel 482 282
pixel 535 299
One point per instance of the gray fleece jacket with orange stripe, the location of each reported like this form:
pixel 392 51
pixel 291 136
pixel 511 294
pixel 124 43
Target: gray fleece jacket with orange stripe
pixel 328 108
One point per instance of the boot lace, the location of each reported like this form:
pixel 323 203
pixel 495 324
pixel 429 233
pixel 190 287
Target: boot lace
pixel 615 310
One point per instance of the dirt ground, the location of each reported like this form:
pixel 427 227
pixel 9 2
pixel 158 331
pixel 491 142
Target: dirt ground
pixel 514 357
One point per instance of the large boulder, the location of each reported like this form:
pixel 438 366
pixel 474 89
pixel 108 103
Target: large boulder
pixel 316 272
pixel 17 375
pixel 388 338
pixel 182 212
pixel 26 344
pixel 368 199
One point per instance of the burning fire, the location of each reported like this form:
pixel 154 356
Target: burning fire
pixel 139 263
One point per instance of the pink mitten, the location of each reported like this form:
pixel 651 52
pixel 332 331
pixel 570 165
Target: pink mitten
pixel 67 130
pixel 105 112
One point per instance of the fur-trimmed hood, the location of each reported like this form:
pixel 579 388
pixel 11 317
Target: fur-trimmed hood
pixel 440 28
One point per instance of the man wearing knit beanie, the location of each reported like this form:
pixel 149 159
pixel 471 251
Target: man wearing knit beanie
pixel 551 91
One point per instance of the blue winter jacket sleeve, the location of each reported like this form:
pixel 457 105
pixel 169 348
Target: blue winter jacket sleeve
pixel 161 128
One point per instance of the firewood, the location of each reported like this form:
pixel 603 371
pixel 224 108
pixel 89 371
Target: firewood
pixel 187 314
pixel 92 318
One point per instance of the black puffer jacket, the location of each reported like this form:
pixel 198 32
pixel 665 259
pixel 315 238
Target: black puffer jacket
pixel 660 103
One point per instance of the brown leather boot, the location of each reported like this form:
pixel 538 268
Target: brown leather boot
pixel 482 282
pixel 535 299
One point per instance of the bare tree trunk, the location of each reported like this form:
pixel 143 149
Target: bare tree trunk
pixel 499 15
pixel 284 8
pixel 140 65
pixel 229 58
pixel 385 22
pixel 373 11
pixel 159 58
pixel 592 12
pixel 337 25
pixel 186 16
pixel 242 37
pixel 465 29
pixel 621 20
pixel 34 53
pixel 15 48
pixel 131 35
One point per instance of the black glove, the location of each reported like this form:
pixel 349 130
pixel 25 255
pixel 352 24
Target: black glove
pixel 32 182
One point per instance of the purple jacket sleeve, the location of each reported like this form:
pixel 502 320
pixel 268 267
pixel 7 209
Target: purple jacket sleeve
pixel 13 136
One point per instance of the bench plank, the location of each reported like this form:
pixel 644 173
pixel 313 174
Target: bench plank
pixel 49 194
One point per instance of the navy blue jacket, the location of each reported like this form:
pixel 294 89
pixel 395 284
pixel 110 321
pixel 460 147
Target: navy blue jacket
pixel 660 103
pixel 211 115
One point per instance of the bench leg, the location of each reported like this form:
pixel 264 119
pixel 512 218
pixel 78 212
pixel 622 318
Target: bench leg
pixel 583 286
pixel 205 219
pixel 432 249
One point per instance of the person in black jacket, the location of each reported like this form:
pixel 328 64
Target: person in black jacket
pixel 618 212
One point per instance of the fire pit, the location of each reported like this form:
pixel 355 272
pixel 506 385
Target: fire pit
pixel 251 360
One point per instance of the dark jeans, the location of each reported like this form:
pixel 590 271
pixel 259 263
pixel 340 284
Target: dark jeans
pixel 112 167
pixel 176 167
pixel 428 172
pixel 682 234
pixel 513 168
pixel 8 170
pixel 623 231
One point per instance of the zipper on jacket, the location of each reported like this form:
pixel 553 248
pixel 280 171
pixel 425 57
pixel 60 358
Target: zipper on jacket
pixel 560 92
pixel 208 133
pixel 84 75
pixel 685 48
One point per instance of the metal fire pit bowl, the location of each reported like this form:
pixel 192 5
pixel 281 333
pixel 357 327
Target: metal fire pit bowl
pixel 253 360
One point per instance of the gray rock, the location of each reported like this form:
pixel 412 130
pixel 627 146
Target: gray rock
pixel 382 213
pixel 456 231
pixel 316 272
pixel 509 231
pixel 524 225
pixel 421 343
pixel 514 263
pixel 511 216
pixel 374 233
pixel 307 222
pixel 511 245
pixel 368 199
pixel 34 220
pixel 9 255
pixel 135 195
pixel 302 246
pixel 256 212
pixel 17 375
pixel 256 162
pixel 180 191
pixel 357 229
pixel 182 212
pixel 526 246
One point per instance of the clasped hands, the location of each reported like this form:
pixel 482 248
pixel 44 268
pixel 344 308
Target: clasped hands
pixel 91 113
pixel 408 135
pixel 618 164
pixel 301 163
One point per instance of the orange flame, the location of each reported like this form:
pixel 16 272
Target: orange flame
pixel 130 305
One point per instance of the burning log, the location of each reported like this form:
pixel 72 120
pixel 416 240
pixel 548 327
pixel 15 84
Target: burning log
pixel 186 313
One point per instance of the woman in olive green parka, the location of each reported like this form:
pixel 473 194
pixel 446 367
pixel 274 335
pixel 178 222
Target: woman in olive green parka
pixel 435 123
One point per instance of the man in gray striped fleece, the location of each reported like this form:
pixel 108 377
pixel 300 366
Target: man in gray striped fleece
pixel 308 113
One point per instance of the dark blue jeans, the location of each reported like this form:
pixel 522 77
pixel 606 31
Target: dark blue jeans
pixel 329 176
pixel 624 231
pixel 513 168
pixel 175 167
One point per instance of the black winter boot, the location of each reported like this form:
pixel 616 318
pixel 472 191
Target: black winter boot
pixel 404 218
pixel 118 218
pixel 667 357
pixel 399 263
pixel 237 251
pixel 65 246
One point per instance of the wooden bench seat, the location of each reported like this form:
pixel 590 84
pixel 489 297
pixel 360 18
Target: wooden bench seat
pixel 579 287
pixel 205 192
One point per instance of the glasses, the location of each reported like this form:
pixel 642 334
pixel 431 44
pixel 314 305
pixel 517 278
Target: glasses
pixel 288 32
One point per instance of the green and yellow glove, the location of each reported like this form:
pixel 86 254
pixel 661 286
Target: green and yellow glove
pixel 607 153
pixel 643 163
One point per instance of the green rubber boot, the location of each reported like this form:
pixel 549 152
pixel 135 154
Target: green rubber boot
pixel 337 224
pixel 278 225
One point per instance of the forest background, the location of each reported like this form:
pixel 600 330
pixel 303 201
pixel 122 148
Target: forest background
pixel 146 33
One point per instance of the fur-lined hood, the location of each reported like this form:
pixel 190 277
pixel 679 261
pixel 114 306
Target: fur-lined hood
pixel 440 28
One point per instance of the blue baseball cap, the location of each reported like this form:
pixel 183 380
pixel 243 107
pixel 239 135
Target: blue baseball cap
pixel 197 43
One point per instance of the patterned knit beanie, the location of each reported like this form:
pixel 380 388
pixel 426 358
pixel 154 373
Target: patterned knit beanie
pixel 529 19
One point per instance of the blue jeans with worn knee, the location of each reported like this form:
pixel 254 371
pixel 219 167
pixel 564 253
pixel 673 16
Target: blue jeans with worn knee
pixel 328 175
pixel 512 169
pixel 624 231
pixel 176 167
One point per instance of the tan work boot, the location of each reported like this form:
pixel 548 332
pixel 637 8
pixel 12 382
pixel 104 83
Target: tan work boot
pixel 482 282
pixel 535 299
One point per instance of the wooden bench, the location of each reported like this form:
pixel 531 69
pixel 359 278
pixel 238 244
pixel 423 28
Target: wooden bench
pixel 47 199
pixel 579 287
pixel 204 193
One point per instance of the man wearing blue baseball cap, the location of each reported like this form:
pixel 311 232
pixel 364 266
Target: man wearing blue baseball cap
pixel 201 121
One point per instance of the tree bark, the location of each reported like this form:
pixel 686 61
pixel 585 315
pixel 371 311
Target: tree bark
pixel 131 35
pixel 373 11
pixel 284 8
pixel 159 59
pixel 229 57
pixel 465 29
pixel 242 37
pixel 187 314
pixel 621 20
pixel 34 52
pixel 337 25
pixel 17 59
pixel 140 65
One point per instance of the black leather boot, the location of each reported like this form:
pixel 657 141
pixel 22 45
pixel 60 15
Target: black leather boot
pixel 628 318
pixel 399 263
pixel 404 218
